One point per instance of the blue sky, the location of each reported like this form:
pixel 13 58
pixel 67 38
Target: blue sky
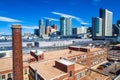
pixel 28 12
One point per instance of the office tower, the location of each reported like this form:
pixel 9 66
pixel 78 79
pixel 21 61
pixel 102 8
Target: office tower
pixel 115 30
pixel 65 26
pixel 48 22
pixel 48 26
pixel 68 26
pixel 36 32
pixel 118 26
pixel 41 27
pixel 74 30
pixel 17 52
pixel 82 29
pixel 89 30
pixel 97 29
pixel 118 23
pixel 79 30
pixel 47 30
pixel 106 21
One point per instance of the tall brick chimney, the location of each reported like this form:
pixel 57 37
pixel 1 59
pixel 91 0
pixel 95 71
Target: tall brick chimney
pixel 17 52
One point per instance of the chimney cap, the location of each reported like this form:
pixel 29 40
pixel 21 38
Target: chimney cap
pixel 16 26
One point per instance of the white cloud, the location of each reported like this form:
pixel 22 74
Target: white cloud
pixel 74 17
pixel 30 27
pixel 53 19
pixel 6 19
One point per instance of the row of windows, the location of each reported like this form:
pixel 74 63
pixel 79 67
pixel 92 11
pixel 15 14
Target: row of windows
pixel 79 75
pixel 99 52
pixel 78 58
pixel 98 57
pixel 81 57
pixel 3 77
pixel 99 61
pixel 9 75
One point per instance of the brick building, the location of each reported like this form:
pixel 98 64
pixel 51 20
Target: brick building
pixel 67 64
pixel 90 56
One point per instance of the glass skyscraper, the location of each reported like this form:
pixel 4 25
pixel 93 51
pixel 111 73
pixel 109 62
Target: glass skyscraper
pixel 65 25
pixel 107 21
pixel 48 22
pixel 97 26
pixel 41 27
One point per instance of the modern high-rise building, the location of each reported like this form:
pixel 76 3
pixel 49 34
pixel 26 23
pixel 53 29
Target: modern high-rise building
pixel 97 27
pixel 118 26
pixel 47 30
pixel 106 16
pixel 63 25
pixel 66 25
pixel 36 32
pixel 115 30
pixel 118 23
pixel 79 30
pixel 41 27
pixel 48 22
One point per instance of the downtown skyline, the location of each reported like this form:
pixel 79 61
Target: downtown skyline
pixel 28 12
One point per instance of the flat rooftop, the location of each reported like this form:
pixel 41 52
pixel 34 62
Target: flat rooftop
pixel 6 63
pixel 48 71
pixel 61 53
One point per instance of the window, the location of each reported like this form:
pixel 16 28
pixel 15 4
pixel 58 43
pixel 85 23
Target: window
pixel 79 57
pixel 78 76
pixel 84 56
pixel 70 73
pixel 83 62
pixel 25 71
pixel 3 77
pixel 73 59
pixel 83 73
pixel 10 75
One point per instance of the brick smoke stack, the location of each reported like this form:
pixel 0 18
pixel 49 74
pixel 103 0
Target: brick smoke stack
pixel 17 52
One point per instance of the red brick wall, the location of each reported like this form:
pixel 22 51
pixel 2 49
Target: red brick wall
pixel 40 57
pixel 61 66
pixel 71 68
pixel 17 52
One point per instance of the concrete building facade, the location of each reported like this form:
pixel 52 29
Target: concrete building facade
pixel 79 30
pixel 65 26
pixel 97 26
pixel 106 16
pixel 41 27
